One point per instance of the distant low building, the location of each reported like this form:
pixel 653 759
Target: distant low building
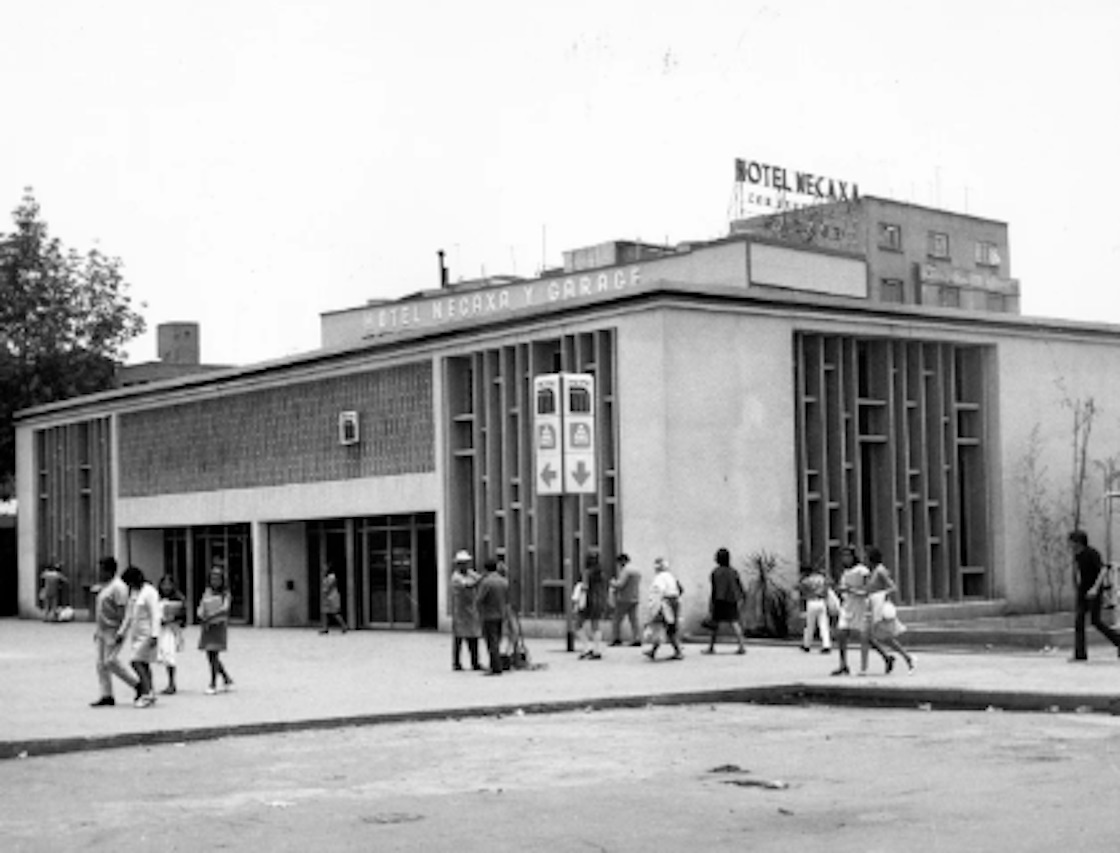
pixel 179 348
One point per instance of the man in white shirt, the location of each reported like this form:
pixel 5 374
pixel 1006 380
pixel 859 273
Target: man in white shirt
pixel 109 611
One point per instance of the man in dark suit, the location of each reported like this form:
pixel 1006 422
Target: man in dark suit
pixel 493 595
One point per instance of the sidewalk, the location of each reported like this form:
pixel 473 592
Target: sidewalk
pixel 288 679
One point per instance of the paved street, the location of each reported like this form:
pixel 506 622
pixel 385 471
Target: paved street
pixel 296 679
pixel 696 777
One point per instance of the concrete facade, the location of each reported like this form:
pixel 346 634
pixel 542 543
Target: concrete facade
pixel 705 442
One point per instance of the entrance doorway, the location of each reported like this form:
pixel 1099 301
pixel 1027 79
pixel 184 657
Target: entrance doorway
pixel 398 571
pixel 227 546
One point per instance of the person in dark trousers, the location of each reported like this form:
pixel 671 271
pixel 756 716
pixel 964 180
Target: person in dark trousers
pixel 727 598
pixel 465 624
pixel 626 590
pixel 111 608
pixel 493 595
pixel 1088 576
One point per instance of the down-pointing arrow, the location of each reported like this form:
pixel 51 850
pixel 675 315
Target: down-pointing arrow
pixel 580 474
pixel 547 474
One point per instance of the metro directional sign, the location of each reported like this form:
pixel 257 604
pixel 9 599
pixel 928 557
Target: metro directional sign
pixel 548 458
pixel 578 394
pixel 564 434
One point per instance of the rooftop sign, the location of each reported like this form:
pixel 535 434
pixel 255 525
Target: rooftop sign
pixel 771 186
pixel 453 306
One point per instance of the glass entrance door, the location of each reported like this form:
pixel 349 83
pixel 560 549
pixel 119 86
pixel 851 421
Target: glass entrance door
pixel 396 576
pixel 227 547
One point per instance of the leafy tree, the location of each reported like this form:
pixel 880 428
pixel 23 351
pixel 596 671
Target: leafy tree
pixel 64 320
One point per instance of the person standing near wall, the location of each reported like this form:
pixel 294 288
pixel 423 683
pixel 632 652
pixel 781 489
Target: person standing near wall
pixel 52 580
pixel 142 624
pixel 626 586
pixel 664 610
pixel 465 624
pixel 110 609
pixel 726 599
pixel 1088 577
pixel 493 596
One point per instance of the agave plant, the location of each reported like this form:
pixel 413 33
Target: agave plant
pixel 770 603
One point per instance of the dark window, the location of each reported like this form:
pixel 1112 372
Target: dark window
pixel 890 290
pixel 950 296
pixel 890 236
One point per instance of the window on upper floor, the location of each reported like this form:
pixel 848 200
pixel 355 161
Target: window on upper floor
pixel 890 236
pixel 950 296
pixel 987 254
pixel 938 245
pixel 890 290
pixel 996 302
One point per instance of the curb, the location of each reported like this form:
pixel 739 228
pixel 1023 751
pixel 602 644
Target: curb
pixel 924 699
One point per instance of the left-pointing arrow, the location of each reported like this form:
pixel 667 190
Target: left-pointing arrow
pixel 547 474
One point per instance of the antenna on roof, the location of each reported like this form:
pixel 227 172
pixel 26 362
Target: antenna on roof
pixel 442 270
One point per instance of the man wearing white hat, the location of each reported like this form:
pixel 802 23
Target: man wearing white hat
pixel 465 623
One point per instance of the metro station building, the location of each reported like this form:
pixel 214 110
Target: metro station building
pixel 863 378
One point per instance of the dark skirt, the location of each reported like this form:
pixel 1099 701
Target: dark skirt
pixel 213 637
pixel 725 611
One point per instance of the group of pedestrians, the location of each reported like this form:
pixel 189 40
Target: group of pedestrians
pixel 149 622
pixel 860 603
pixel 478 610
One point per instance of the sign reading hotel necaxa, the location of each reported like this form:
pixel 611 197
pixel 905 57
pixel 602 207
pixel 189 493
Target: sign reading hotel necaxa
pixel 780 179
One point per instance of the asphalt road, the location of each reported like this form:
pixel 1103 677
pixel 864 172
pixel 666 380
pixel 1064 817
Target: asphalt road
pixel 727 777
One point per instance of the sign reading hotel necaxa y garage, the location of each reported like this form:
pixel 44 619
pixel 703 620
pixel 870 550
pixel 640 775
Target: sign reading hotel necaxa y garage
pixel 782 180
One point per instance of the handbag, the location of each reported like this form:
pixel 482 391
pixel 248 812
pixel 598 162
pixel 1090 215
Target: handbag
pixel 832 602
pixel 709 624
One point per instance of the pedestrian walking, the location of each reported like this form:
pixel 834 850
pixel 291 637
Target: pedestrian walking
pixel 50 593
pixel 330 602
pixel 593 606
pixel 213 617
pixel 814 590
pixel 110 609
pixel 173 620
pixel 465 623
pixel 626 590
pixel 664 610
pixel 1089 577
pixel 141 626
pixel 854 614
pixel 493 597
pixel 885 624
pixel 725 602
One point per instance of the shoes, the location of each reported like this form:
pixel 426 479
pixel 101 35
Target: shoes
pixel 211 690
pixel 841 671
pixel 491 672
pixel 476 666
pixel 889 663
pixel 637 644
pixel 805 649
pixel 741 651
pixel 708 652
pixel 1077 660
pixel 594 656
pixel 585 655
pixel 227 687
pixel 103 702
pixel 617 643
pixel 912 666
pixel 457 667
pixel 145 701
pixel 649 653
pixel 862 673
pixel 826 651
pixel 168 690
pixel 324 631
pixel 677 656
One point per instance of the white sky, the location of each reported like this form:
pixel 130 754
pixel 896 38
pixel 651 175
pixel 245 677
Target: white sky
pixel 256 162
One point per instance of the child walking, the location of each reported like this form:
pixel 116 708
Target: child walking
pixel 213 615
pixel 173 608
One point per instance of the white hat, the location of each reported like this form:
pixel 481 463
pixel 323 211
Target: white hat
pixel 463 556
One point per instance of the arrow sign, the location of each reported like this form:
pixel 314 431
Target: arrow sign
pixel 581 473
pixel 548 475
